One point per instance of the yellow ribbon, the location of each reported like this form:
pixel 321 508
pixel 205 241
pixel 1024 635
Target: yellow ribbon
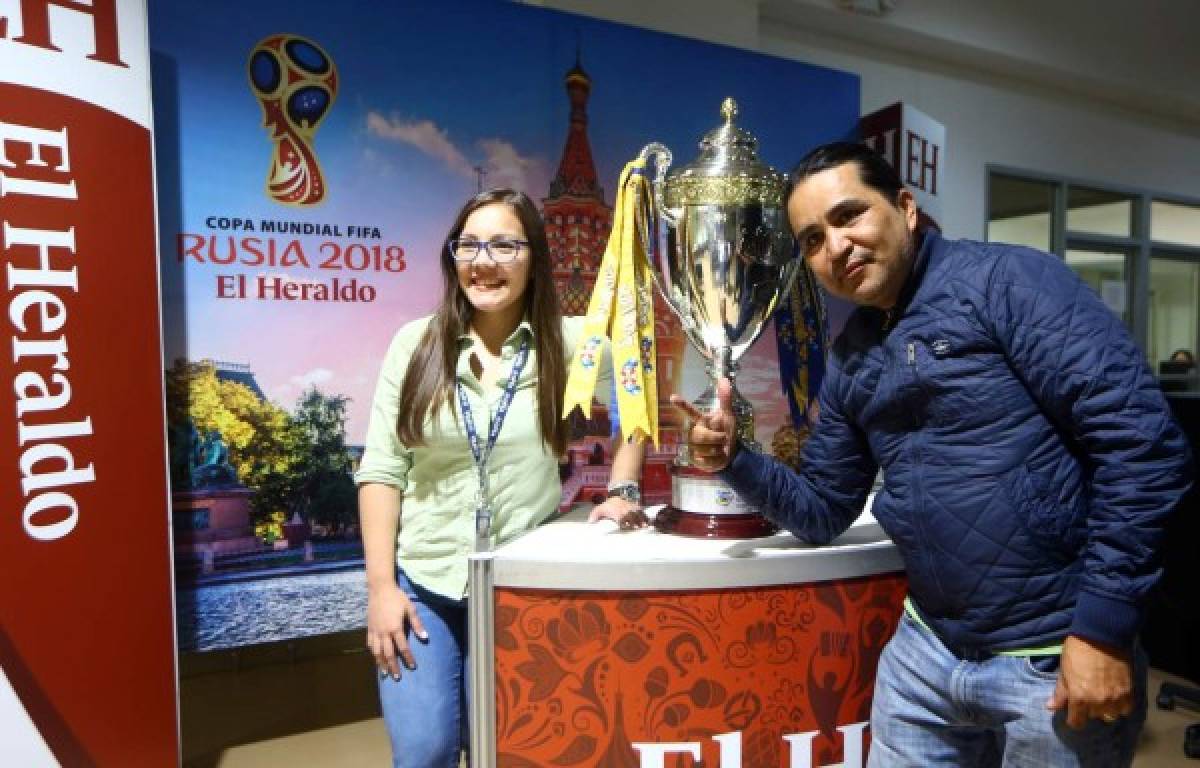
pixel 622 310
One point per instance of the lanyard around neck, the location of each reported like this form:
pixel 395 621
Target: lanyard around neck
pixel 483 453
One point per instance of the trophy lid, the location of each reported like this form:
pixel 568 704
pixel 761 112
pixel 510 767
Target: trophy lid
pixel 727 171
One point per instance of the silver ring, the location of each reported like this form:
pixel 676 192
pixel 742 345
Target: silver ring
pixel 1109 718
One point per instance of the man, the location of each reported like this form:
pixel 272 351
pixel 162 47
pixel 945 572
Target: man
pixel 1029 462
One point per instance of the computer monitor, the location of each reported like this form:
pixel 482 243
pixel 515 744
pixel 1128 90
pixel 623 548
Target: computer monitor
pixel 1176 376
pixel 1175 368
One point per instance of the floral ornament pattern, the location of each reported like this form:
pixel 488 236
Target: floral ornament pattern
pixel 629 379
pixel 582 676
pixel 588 352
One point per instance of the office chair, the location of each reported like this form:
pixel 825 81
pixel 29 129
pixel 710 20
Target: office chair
pixel 1172 694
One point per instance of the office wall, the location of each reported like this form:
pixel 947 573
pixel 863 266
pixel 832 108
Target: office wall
pixel 1044 116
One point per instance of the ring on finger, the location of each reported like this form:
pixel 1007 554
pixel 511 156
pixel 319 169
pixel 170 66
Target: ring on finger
pixel 1108 717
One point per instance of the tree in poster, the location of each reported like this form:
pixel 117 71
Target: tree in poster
pixel 296 463
pixel 264 444
pixel 324 483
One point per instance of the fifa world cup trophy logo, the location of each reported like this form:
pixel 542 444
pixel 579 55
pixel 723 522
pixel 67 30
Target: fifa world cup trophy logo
pixel 295 82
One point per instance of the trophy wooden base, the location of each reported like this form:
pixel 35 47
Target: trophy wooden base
pixel 704 506
pixel 671 519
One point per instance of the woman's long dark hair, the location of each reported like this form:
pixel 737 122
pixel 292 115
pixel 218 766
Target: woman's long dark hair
pixel 429 380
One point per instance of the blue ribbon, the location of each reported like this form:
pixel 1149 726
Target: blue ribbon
pixel 801 333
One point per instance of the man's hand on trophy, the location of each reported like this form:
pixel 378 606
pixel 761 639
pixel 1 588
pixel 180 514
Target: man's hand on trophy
pixel 711 437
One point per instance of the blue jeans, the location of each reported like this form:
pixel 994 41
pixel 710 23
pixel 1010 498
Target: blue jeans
pixel 425 711
pixel 933 709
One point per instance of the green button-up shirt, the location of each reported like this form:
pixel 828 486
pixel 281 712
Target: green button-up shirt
pixel 439 481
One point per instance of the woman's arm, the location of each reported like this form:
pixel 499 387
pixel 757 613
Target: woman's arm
pixel 627 457
pixel 626 468
pixel 388 608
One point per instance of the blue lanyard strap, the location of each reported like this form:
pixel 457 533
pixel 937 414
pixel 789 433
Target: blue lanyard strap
pixel 510 388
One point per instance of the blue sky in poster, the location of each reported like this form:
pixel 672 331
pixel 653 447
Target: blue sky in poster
pixel 426 92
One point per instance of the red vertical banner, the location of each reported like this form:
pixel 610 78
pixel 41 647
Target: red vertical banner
pixel 915 145
pixel 86 631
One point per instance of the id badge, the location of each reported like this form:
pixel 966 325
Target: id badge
pixel 483 518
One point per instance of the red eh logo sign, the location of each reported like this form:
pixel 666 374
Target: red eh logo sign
pixel 35 23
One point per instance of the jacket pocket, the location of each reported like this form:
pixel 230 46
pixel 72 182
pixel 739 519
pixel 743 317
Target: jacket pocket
pixel 949 372
pixel 1054 516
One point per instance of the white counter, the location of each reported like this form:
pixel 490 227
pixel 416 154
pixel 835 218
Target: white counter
pixel 571 554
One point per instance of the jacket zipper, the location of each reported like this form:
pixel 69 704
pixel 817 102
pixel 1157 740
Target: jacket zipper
pixel 919 521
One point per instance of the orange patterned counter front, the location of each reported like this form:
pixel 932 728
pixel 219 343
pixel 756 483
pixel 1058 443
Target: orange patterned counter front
pixel 750 676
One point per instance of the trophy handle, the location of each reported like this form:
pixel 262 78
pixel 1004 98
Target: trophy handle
pixel 652 210
pixel 662 161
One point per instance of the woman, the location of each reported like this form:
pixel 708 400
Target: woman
pixel 497 337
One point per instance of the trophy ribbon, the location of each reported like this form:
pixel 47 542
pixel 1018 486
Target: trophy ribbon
pixel 802 334
pixel 621 310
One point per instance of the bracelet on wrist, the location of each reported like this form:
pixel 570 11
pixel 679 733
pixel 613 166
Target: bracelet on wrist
pixel 628 490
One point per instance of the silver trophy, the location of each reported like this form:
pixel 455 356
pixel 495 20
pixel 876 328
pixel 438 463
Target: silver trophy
pixel 728 259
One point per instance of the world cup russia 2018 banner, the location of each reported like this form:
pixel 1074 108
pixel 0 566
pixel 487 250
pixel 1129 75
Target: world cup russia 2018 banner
pixel 87 665
pixel 311 158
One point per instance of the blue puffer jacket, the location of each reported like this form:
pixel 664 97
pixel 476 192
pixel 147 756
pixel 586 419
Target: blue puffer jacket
pixel 1029 457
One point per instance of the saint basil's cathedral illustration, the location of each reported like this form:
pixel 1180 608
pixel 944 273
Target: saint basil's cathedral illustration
pixel 578 221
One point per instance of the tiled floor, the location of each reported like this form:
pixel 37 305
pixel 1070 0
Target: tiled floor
pixel 365 744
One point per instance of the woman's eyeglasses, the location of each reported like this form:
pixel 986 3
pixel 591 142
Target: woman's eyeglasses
pixel 500 251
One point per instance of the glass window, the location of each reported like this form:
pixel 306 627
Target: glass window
pixel 1109 245
pixel 1096 211
pixel 1173 223
pixel 1019 211
pixel 1105 272
pixel 1174 321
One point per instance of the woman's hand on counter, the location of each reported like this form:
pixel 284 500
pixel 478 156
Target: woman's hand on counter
pixel 390 614
pixel 626 514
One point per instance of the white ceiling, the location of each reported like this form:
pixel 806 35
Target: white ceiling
pixel 1136 55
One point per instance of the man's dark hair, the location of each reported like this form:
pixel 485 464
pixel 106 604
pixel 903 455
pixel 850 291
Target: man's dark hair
pixel 874 171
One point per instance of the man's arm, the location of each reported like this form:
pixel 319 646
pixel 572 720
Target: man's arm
pixel 817 504
pixel 1085 371
pixel 1083 368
